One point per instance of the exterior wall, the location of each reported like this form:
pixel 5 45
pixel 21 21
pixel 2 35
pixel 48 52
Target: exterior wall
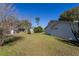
pixel 75 26
pixel 62 29
pixel 31 30
pixel 11 32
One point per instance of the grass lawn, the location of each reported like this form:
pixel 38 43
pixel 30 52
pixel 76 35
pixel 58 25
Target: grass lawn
pixel 38 44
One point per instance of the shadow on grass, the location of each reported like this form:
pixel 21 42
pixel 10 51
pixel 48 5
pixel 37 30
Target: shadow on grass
pixel 70 42
pixel 11 39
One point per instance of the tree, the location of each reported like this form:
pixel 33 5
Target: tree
pixel 7 18
pixel 37 19
pixel 70 15
pixel 38 29
pixel 29 27
pixel 7 12
pixel 25 24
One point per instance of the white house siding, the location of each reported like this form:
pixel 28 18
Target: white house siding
pixel 12 32
pixel 62 29
pixel 31 30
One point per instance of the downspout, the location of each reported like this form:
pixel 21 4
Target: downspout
pixel 78 27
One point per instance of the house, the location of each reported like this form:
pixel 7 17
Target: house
pixel 8 27
pixel 63 29
pixel 12 26
pixel 31 30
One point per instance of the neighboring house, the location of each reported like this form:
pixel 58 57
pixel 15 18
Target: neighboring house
pixel 63 29
pixel 9 31
pixel 11 26
pixel 31 30
pixel 12 32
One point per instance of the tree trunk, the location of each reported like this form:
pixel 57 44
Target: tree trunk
pixel 28 31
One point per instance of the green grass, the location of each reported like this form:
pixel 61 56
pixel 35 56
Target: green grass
pixel 38 44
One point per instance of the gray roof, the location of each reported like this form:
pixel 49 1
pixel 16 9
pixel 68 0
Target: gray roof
pixel 54 22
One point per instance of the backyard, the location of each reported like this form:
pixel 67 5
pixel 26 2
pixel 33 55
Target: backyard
pixel 38 44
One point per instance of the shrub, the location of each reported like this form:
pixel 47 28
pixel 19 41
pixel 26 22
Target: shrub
pixel 38 29
pixel 9 39
pixel 1 36
pixel 4 39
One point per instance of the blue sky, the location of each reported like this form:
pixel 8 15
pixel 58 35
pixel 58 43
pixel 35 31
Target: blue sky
pixel 46 11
